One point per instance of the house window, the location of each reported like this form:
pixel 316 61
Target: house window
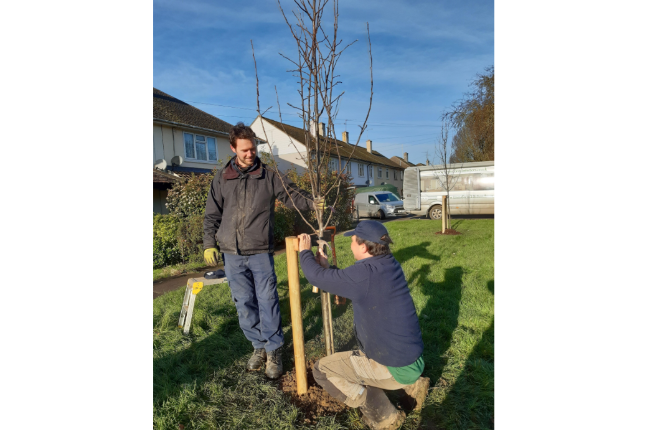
pixel 200 147
pixel 334 165
pixel 349 168
pixel 361 170
pixel 378 172
pixel 370 171
pixel 401 175
pixel 395 174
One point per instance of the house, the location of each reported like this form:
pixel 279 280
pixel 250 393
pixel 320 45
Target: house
pixel 162 181
pixel 367 167
pixel 185 140
pixel 402 162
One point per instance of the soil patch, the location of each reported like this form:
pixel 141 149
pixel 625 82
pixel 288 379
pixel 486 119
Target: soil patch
pixel 315 402
pixel 448 231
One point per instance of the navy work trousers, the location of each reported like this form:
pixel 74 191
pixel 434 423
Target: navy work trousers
pixel 253 286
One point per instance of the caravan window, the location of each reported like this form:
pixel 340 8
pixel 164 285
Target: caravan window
pixel 431 183
pixel 460 182
pixel 483 181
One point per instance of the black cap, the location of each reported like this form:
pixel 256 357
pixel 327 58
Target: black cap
pixel 370 230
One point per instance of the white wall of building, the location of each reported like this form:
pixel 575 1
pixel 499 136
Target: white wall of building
pixel 285 151
pixel 287 156
pixel 169 141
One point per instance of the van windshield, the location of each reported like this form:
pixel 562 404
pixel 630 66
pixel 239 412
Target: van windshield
pixel 387 197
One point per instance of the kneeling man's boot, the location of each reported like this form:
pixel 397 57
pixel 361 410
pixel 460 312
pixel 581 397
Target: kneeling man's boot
pixel 256 360
pixel 416 393
pixel 379 413
pixel 274 364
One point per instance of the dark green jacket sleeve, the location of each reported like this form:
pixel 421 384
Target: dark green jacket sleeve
pixel 213 213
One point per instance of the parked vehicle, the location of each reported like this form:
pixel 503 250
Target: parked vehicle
pixel 471 189
pixel 378 204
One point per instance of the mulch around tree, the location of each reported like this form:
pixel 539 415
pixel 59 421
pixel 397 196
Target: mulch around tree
pixel 448 231
pixel 315 402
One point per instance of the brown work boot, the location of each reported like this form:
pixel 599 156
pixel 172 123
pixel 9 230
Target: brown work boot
pixel 417 392
pixel 274 364
pixel 393 422
pixel 256 360
pixel 379 413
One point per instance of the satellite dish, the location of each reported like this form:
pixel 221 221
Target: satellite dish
pixel 160 164
pixel 177 160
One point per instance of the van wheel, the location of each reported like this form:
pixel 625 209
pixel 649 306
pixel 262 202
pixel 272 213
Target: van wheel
pixel 382 215
pixel 435 212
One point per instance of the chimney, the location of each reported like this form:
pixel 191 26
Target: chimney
pixel 369 146
pixel 346 137
pixel 312 128
pixel 427 161
pixel 321 128
pixel 406 157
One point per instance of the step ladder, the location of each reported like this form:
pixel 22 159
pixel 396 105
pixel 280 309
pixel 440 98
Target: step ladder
pixel 194 287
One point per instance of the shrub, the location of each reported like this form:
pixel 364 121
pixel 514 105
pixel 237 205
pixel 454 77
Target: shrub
pixel 189 237
pixel 187 196
pixel 165 245
pixel 284 222
pixel 342 217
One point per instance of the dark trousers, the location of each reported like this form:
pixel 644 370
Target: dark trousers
pixel 253 286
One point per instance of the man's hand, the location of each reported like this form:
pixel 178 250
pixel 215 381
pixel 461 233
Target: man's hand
pixel 321 259
pixel 319 203
pixel 304 242
pixel 211 256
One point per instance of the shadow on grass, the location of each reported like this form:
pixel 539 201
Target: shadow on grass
pixel 439 317
pixel 470 402
pixel 224 346
pixel 312 319
pixel 174 371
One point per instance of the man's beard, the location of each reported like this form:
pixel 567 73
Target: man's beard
pixel 243 162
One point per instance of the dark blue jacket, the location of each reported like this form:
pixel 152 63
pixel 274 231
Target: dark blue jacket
pixel 385 321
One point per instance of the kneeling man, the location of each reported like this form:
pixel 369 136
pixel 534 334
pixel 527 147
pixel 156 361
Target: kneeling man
pixel 385 323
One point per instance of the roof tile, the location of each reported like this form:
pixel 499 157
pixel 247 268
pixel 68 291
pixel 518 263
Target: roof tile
pixel 168 108
pixel 344 149
pixel 400 161
pixel 164 177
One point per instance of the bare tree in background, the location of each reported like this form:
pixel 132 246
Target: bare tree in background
pixel 314 67
pixel 448 178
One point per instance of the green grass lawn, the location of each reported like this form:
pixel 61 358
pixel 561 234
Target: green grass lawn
pixel 200 379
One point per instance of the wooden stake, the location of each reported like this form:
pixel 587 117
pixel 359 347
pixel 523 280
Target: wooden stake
pixel 296 314
pixel 444 214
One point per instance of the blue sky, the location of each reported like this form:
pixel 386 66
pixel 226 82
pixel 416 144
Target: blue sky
pixel 425 54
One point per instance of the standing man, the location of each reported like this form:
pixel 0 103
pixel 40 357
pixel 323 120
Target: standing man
pixel 239 215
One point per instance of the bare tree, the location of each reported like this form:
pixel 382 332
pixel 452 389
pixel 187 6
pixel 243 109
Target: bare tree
pixel 314 67
pixel 449 177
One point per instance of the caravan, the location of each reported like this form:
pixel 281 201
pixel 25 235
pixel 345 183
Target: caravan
pixel 471 189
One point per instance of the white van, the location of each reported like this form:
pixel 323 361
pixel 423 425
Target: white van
pixel 378 204
pixel 471 189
